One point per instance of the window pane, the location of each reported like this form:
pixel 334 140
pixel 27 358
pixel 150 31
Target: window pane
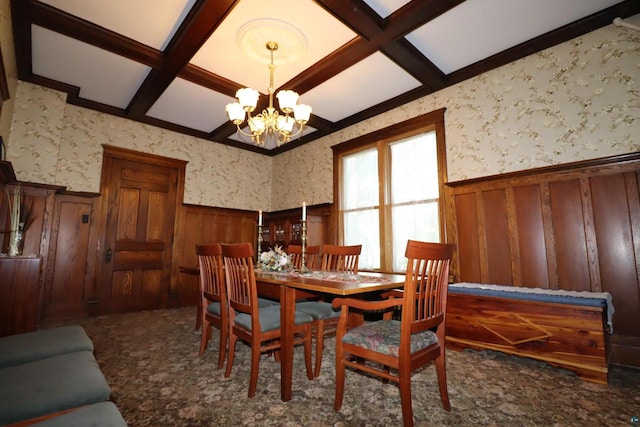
pixel 415 222
pixel 414 169
pixel 361 227
pixel 360 180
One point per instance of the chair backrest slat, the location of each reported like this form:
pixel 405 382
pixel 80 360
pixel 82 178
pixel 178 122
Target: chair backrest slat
pixel 240 277
pixel 311 253
pixel 426 284
pixel 341 257
pixel 211 278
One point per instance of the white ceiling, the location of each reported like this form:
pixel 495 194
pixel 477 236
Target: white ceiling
pixel 344 65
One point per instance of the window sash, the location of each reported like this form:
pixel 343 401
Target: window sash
pixel 382 249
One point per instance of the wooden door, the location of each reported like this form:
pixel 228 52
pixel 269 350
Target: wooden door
pixel 141 196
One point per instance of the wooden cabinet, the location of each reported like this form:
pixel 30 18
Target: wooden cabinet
pixel 19 294
pixel 284 228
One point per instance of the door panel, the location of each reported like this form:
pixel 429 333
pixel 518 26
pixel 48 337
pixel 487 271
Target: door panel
pixel 139 227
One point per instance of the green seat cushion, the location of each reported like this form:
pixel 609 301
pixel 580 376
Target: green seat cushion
pixel 104 414
pixel 319 310
pixel 214 308
pixel 266 302
pixel 50 385
pixel 270 318
pixel 32 346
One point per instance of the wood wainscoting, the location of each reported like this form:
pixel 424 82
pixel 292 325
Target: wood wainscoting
pixel 203 224
pixel 573 227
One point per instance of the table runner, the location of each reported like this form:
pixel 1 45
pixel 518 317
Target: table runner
pixel 333 276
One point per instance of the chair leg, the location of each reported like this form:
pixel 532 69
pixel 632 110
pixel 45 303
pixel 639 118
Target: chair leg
pixel 255 366
pixel 198 317
pixel 307 351
pixel 441 369
pixel 232 353
pixel 204 337
pixel 404 377
pixel 224 336
pixel 339 376
pixel 318 327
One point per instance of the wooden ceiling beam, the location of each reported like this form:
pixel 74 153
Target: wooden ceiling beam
pixel 203 19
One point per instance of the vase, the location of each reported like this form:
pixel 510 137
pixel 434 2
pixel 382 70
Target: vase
pixel 15 243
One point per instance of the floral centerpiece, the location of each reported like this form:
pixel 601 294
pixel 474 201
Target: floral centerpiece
pixel 275 259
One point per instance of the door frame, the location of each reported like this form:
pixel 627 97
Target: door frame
pixel 109 154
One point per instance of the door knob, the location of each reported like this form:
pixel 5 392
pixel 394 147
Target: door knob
pixel 109 254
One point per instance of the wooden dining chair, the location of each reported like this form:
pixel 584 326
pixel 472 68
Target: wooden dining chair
pixel 402 345
pixel 213 298
pixel 257 326
pixel 341 257
pixel 312 255
pixel 325 317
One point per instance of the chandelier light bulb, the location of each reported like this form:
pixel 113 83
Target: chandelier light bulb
pixel 287 99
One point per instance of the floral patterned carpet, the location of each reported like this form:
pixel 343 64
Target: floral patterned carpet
pixel 157 379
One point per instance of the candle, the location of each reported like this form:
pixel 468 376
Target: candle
pixel 260 218
pixel 304 211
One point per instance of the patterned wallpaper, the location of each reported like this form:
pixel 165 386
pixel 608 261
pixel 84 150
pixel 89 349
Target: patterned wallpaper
pixel 9 62
pixel 576 101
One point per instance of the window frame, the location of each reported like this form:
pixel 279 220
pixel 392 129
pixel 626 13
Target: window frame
pixel 432 121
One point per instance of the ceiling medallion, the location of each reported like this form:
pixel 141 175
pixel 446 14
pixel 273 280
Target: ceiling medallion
pixel 261 39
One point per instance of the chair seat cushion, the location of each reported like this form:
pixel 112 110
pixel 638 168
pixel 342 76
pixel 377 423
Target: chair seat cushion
pixel 50 385
pixel 31 346
pixel 214 308
pixel 265 302
pixel 383 336
pixel 270 318
pixel 104 414
pixel 319 310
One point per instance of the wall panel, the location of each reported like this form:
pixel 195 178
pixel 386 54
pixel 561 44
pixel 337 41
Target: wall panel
pixel 569 233
pixel 531 239
pixel 612 216
pixel 497 236
pixel 573 227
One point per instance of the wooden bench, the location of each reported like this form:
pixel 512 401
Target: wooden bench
pixel 565 329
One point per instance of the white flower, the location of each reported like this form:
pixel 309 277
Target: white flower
pixel 275 259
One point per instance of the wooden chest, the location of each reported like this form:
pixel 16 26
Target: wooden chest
pixel 569 334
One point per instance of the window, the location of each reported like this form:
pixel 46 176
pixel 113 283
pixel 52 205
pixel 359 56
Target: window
pixel 388 186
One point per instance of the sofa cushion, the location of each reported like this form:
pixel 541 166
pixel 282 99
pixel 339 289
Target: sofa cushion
pixel 50 385
pixel 32 346
pixel 104 414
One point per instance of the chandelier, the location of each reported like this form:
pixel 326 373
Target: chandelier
pixel 269 122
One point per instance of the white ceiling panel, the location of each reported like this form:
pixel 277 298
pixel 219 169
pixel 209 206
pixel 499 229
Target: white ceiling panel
pixel 359 87
pixel 149 21
pixel 222 55
pixel 385 8
pixel 474 31
pixel 101 76
pixel 188 104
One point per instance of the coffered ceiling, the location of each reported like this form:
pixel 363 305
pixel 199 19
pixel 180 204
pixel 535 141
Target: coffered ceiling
pixel 176 63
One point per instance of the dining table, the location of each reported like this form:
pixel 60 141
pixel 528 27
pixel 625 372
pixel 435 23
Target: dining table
pixel 290 286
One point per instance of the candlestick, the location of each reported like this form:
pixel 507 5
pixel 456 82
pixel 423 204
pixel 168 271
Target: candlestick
pixel 259 249
pixel 304 211
pixel 303 261
pixel 260 218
